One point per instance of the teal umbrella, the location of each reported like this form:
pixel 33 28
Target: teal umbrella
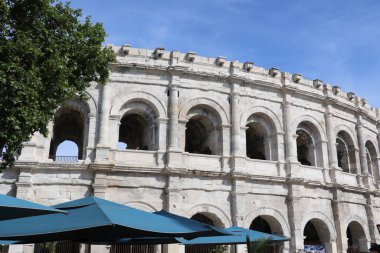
pixel 239 237
pixel 97 220
pixel 234 235
pixel 13 208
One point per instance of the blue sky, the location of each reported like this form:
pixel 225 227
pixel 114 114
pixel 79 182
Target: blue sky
pixel 336 41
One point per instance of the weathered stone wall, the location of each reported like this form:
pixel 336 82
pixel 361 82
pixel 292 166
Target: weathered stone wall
pixel 168 89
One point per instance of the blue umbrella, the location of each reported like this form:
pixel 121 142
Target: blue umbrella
pixel 13 208
pixel 239 237
pixel 93 219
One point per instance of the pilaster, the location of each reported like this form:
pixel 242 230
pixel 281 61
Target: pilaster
pixel 173 111
pixel 23 184
pixel 295 213
pixel 235 119
pixel 362 149
pixel 100 186
pixel 374 233
pixel 102 147
pixel 339 216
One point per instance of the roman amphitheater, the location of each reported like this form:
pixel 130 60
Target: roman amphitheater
pixel 221 141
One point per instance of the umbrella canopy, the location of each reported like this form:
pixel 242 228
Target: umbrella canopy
pixel 93 219
pixel 13 208
pixel 239 237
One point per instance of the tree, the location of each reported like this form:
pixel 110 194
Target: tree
pixel 48 53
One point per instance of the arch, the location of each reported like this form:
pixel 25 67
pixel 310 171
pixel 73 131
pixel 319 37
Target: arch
pixel 214 212
pixel 268 213
pixel 70 124
pixel 374 142
pixel 261 110
pixel 346 152
pixel 127 97
pixel 203 134
pixel 311 121
pixel 371 153
pixel 91 102
pixel 319 221
pixel 138 127
pixel 141 205
pixel 67 148
pixel 74 104
pixel 261 137
pixel 309 144
pixel 349 131
pixel 360 221
pixel 202 101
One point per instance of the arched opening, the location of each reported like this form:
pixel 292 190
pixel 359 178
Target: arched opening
pixel 136 132
pixel 203 133
pixel 311 236
pixel 256 141
pixel 305 148
pixel 67 151
pixel 270 225
pixel 261 138
pixel 309 146
pixel 260 224
pixel 346 152
pixel 202 248
pixel 356 239
pixel 69 125
pixel 316 236
pixel 371 158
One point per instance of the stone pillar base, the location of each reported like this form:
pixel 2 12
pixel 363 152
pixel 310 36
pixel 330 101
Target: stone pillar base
pixel 102 154
pixel 100 249
pixel 176 161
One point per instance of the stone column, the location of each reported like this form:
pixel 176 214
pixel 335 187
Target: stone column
pixel 362 152
pixel 374 234
pixel 162 130
pixel 235 119
pixel 335 171
pixel 238 209
pixel 100 190
pixel 23 185
pixel 331 138
pixel 174 155
pixel 295 191
pixel 339 216
pixel 291 149
pixel 225 131
pixel 102 147
pixel 172 198
pixel 91 138
pixel 173 115
pixel 292 166
pixel 113 127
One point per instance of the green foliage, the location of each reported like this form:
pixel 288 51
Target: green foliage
pixel 47 56
pixel 257 246
pixel 49 247
pixel 219 249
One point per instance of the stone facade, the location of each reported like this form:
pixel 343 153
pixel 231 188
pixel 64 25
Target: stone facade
pixel 196 125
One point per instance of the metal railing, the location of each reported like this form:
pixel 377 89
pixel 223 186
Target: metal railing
pixel 132 249
pixel 66 159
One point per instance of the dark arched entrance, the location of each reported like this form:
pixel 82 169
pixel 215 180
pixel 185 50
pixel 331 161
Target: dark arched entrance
pixel 311 236
pixel 201 248
pixel 69 125
pixel 356 239
pixel 260 224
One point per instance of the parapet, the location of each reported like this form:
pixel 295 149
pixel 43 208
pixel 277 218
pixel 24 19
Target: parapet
pixel 220 67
